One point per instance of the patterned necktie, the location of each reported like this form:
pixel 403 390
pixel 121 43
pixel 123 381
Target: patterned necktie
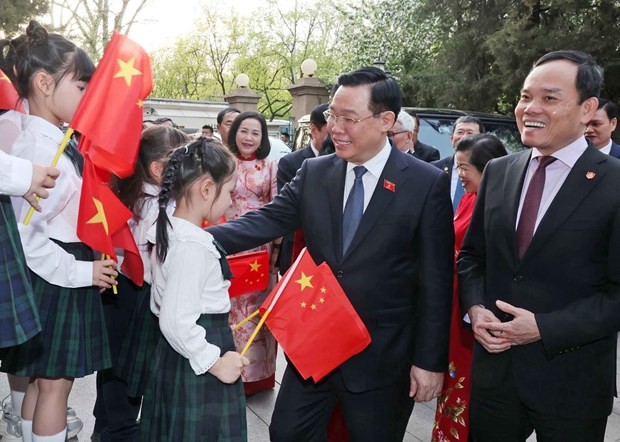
pixel 531 204
pixel 458 193
pixel 354 208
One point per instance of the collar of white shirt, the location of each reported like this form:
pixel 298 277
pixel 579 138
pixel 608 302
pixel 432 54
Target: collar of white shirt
pixel 568 154
pixel 376 164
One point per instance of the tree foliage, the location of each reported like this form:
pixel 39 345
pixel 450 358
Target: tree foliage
pixel 16 13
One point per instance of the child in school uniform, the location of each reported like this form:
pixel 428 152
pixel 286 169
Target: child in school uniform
pixel 132 327
pixel 195 393
pixel 52 73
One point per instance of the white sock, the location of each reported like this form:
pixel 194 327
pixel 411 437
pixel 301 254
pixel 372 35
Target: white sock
pixel 17 399
pixel 60 437
pixel 26 430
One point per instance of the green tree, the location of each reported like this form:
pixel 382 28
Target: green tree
pixel 16 14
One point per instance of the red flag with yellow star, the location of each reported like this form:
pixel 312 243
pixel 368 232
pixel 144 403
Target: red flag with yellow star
pixel 9 98
pixel 250 271
pixel 102 220
pixel 313 320
pixel 110 112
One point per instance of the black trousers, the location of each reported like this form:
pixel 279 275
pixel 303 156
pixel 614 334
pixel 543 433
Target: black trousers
pixel 116 413
pixel 303 409
pixel 497 414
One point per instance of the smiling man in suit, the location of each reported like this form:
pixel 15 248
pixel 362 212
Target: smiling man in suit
pixel 539 270
pixel 382 221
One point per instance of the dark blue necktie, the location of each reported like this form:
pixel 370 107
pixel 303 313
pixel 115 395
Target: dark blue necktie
pixel 354 208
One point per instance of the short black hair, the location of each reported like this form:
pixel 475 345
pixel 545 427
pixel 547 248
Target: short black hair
pixel 229 110
pixel 265 145
pixel 611 108
pixel 468 119
pixel 385 94
pixel 208 126
pixel 317 117
pixel 483 148
pixel 589 73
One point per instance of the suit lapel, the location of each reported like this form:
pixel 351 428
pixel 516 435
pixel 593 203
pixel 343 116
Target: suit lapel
pixel 334 189
pixel 581 180
pixel 381 197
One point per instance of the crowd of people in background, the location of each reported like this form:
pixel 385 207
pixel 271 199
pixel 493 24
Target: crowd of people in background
pixel 488 282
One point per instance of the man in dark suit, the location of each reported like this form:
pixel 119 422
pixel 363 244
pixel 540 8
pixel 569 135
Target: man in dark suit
pixel 290 164
pixel 463 126
pixel 404 135
pixel 539 270
pixel 601 127
pixel 395 268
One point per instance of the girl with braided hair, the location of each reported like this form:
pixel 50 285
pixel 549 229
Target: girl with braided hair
pixel 52 74
pixel 195 392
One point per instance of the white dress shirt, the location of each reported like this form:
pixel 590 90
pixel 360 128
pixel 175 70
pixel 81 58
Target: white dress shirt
pixel 15 173
pixel 374 167
pixel 607 149
pixel 58 220
pixel 555 175
pixel 186 285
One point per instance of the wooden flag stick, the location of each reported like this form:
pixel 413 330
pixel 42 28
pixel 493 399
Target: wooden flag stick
pixel 249 318
pixel 61 149
pixel 287 278
pixel 104 257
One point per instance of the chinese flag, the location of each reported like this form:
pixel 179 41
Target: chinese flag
pixel 313 320
pixel 250 271
pixel 102 220
pixel 110 112
pixel 9 99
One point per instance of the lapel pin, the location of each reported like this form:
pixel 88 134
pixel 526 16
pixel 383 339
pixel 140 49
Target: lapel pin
pixel 590 175
pixel 445 169
pixel 389 185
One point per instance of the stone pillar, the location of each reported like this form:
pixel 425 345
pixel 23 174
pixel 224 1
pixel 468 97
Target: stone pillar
pixel 307 93
pixel 243 99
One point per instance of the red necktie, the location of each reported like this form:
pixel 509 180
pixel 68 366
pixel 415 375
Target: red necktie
pixel 531 204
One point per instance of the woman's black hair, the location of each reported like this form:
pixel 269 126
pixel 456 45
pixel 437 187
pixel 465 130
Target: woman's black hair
pixel 156 144
pixel 39 50
pixel 187 164
pixel 483 148
pixel 265 146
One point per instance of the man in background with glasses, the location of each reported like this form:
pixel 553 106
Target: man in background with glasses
pixel 404 134
pixel 382 221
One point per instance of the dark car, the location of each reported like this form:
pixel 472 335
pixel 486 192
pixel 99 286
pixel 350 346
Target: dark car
pixel 436 128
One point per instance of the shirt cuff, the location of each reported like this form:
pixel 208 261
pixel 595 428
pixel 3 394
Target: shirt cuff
pixel 203 362
pixel 83 274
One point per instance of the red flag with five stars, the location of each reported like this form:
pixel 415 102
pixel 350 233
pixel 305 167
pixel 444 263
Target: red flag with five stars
pixel 9 98
pixel 313 320
pixel 110 112
pixel 250 271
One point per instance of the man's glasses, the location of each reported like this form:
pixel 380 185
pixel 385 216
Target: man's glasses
pixel 391 134
pixel 347 122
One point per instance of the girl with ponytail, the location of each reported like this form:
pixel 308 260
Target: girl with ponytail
pixel 195 392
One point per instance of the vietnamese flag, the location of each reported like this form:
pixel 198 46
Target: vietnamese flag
pixel 102 220
pixel 250 271
pixel 110 112
pixel 9 98
pixel 312 319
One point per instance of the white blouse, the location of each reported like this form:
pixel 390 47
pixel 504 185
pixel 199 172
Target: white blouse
pixel 186 285
pixel 15 173
pixel 38 143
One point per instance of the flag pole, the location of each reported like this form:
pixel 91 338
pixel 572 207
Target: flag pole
pixel 61 149
pixel 104 257
pixel 275 299
pixel 249 318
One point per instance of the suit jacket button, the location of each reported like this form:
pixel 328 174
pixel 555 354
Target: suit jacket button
pixel 339 274
pixel 518 278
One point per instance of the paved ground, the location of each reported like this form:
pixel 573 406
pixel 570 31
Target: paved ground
pixel 260 407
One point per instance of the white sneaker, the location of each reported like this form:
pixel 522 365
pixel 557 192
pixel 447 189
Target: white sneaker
pixel 74 423
pixel 11 424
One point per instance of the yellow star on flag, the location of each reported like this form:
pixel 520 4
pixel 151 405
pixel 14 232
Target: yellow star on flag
pixel 323 290
pixel 254 266
pixel 303 305
pixel 313 307
pixel 304 281
pixel 100 216
pixel 321 300
pixel 127 70
pixel 140 103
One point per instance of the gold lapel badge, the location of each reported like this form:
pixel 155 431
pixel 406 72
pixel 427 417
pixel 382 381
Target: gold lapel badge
pixel 590 175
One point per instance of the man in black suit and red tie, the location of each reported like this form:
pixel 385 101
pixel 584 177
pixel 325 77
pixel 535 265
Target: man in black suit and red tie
pixel 601 127
pixel 539 270
pixel 382 221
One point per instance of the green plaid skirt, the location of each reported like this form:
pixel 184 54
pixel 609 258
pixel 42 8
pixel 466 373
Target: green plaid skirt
pixel 19 319
pixel 135 359
pixel 181 406
pixel 73 341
